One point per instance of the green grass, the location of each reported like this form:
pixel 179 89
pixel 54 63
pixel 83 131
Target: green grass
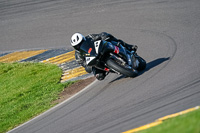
pixel 187 123
pixel 26 90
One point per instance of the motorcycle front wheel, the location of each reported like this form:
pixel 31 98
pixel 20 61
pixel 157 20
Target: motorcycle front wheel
pixel 113 64
pixel 142 63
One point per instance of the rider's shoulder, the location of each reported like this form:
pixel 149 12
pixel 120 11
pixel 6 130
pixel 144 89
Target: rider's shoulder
pixel 99 34
pixel 91 35
pixel 104 33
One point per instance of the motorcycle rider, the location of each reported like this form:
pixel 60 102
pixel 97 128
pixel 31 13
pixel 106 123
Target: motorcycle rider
pixel 77 39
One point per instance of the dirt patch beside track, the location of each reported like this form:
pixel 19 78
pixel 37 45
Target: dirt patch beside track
pixel 73 89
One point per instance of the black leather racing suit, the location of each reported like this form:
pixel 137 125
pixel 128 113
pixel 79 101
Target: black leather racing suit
pixel 99 74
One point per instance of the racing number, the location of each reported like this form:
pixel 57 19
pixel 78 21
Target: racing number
pixel 96 45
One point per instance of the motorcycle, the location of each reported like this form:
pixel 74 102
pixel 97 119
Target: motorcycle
pixel 112 57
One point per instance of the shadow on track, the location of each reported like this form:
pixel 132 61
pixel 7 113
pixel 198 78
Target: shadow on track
pixel 153 64
pixel 149 66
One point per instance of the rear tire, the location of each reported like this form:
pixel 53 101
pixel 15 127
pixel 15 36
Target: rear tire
pixel 112 64
pixel 142 63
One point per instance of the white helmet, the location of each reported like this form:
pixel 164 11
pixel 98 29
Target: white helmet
pixel 76 39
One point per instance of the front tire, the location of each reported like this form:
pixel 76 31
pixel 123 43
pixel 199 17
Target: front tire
pixel 142 63
pixel 112 64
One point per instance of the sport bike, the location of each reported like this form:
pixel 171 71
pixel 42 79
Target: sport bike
pixel 112 57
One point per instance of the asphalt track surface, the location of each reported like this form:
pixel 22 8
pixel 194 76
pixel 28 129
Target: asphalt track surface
pixel 166 31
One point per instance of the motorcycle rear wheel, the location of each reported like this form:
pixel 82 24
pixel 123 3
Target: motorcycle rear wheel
pixel 112 64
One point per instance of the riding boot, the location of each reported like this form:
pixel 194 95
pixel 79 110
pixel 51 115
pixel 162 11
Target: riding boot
pixel 131 47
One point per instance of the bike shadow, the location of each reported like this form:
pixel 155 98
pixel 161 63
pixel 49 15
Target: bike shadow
pixel 153 64
pixel 149 66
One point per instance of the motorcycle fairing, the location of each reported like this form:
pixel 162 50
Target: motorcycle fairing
pixel 97 44
pixel 90 51
pixel 89 59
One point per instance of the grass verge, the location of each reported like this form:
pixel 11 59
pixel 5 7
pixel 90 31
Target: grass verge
pixel 26 90
pixel 187 123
